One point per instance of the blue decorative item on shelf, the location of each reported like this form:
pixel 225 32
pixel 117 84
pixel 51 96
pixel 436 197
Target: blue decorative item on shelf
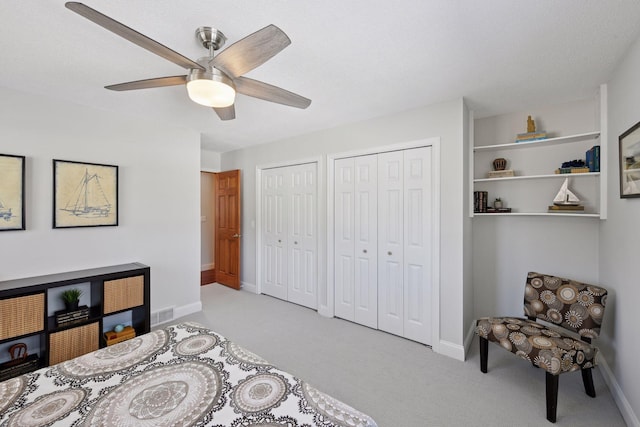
pixel 118 328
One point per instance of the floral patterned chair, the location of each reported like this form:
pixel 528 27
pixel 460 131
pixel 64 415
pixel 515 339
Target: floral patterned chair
pixel 575 309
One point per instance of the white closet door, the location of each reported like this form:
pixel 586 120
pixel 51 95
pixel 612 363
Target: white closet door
pixel 417 244
pixel 366 241
pixel 274 234
pixel 303 236
pixel 390 242
pixel 344 238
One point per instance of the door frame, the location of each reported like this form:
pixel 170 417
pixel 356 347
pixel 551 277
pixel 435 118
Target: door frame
pixel 320 207
pixel 328 309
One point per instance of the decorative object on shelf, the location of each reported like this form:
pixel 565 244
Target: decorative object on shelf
pixel 573 166
pixel 12 200
pixel 497 203
pixel 113 337
pixel 629 161
pixel 480 201
pixel 20 362
pixel 71 298
pixel 499 164
pixel 531 134
pixel 85 194
pixel 565 197
pixel 118 328
pixel 68 317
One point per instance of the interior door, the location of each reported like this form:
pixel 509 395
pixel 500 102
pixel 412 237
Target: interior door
pixel 303 236
pixel 344 239
pixel 227 236
pixel 274 234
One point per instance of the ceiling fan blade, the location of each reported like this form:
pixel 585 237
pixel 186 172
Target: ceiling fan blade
pixel 226 113
pixel 252 51
pixel 270 93
pixel 149 83
pixel 132 35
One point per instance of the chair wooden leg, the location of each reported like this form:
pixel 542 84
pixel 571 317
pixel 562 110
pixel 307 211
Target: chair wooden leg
pixel 484 354
pixel 587 379
pixel 552 396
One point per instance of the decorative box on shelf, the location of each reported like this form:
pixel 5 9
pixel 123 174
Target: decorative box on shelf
pixel 65 317
pixel 14 368
pixel 113 337
pixel 573 170
pixel 566 208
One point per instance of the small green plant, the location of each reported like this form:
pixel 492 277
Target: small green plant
pixel 498 199
pixel 71 295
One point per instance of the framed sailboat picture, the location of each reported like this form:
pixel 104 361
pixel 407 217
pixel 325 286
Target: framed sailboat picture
pixel 11 192
pixel 630 162
pixel 84 194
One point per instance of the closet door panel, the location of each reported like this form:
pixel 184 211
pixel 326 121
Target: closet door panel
pixel 390 242
pixel 274 209
pixel 344 238
pixel 417 244
pixel 366 240
pixel 303 238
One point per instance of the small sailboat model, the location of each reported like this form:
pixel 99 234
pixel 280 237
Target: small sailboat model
pixel 565 197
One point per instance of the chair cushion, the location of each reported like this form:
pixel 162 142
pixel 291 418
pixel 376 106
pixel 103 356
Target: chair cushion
pixel 551 349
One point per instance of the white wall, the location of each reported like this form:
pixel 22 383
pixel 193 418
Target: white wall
pixel 210 161
pixel 619 236
pixel 207 222
pixel 506 248
pixel 158 195
pixel 442 120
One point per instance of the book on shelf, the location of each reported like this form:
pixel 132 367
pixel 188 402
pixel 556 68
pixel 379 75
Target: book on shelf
pixel 566 208
pixel 480 199
pixel 498 210
pixel 64 317
pixel 14 368
pixel 572 170
pixel 592 157
pixel 500 174
pixel 531 136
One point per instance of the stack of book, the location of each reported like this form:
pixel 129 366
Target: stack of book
pixel 67 317
pixel 593 158
pixel 14 368
pixel 498 210
pixel 566 208
pixel 480 201
pixel 531 136
pixel 500 174
pixel 112 337
pixel 573 170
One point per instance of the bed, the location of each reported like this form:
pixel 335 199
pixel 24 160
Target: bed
pixel 181 375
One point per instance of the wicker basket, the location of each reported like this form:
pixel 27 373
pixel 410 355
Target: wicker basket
pixel 74 342
pixel 21 315
pixel 125 293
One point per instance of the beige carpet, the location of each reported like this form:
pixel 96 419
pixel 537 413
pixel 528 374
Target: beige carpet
pixel 398 382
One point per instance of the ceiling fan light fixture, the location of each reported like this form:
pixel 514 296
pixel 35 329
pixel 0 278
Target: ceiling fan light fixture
pixel 210 88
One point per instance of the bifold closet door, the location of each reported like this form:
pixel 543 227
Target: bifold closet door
pixel 289 235
pixel 404 243
pixel 355 256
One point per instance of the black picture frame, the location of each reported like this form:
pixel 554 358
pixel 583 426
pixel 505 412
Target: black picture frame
pixel 629 162
pixel 12 192
pixel 84 194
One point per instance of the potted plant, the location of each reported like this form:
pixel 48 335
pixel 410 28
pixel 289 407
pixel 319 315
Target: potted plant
pixel 497 203
pixel 71 298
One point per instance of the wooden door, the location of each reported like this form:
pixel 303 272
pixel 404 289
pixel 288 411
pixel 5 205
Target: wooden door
pixel 227 235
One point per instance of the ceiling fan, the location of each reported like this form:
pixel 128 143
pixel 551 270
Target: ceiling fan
pixel 212 80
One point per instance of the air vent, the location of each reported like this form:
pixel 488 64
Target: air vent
pixel 161 316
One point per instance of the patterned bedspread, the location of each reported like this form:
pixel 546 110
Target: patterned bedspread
pixel 181 375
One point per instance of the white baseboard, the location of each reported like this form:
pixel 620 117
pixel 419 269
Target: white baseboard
pixel 249 287
pixel 450 349
pixel 187 309
pixel 618 396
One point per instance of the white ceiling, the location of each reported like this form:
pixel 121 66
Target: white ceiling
pixel 356 59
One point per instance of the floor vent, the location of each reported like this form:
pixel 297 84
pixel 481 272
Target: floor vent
pixel 162 316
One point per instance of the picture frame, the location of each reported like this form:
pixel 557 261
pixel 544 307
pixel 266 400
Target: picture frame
pixel 12 193
pixel 84 194
pixel 629 162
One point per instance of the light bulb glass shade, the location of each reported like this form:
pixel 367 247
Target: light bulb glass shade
pixel 211 89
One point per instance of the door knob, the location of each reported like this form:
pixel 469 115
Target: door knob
pixel 295 243
pixel 389 253
pixel 364 250
pixel 279 241
pixel 235 236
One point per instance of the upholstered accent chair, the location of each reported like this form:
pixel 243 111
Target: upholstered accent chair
pixel 574 309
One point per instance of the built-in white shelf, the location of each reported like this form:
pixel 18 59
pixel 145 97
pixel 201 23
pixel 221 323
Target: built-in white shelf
pixel 582 215
pixel 541 142
pixel 555 175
